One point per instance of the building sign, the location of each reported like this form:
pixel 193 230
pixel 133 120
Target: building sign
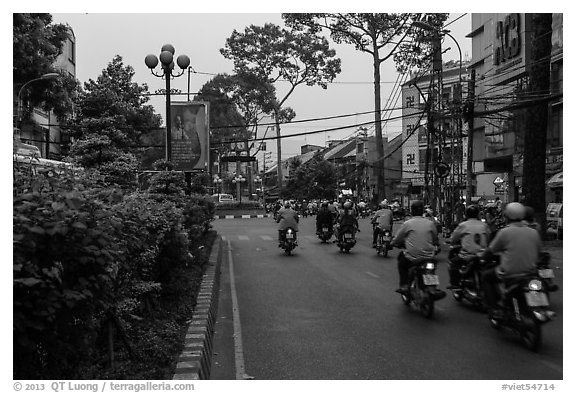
pixel 507 39
pixel 189 135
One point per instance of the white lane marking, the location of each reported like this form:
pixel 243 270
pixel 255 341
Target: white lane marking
pixel 238 349
pixel 243 237
pixel 372 274
pixel 266 237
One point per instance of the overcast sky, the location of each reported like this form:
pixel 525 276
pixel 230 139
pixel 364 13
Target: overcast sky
pixel 101 36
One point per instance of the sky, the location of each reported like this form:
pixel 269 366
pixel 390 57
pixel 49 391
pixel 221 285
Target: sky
pixel 102 35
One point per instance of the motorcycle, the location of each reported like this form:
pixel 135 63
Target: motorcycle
pixel 423 287
pixel 289 241
pixel 347 240
pixel 526 308
pixel 326 233
pixel 383 242
pixel 469 284
pixel 546 273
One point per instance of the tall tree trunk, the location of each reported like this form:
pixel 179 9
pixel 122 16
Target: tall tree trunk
pixel 534 166
pixel 380 185
pixel 279 150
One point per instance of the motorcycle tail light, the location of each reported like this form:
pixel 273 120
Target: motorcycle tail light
pixel 535 285
pixel 430 266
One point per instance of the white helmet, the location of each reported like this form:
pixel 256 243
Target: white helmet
pixel 384 203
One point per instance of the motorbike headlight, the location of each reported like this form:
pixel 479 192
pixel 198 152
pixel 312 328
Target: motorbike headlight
pixel 535 285
pixel 430 266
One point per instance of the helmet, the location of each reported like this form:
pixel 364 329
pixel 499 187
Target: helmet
pixel 472 211
pixel 348 205
pixel 324 204
pixel 287 204
pixel 417 208
pixel 515 211
pixel 384 204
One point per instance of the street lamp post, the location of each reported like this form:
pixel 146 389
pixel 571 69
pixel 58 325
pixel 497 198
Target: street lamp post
pixel 238 180
pixel 259 185
pixel 167 60
pixel 48 76
pixel 217 184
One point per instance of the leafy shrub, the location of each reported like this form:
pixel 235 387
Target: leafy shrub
pixel 91 260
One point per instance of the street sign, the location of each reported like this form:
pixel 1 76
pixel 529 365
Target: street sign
pixel 498 181
pixel 235 158
pixel 442 170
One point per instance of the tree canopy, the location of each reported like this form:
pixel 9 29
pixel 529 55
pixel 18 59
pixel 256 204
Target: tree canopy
pixel 275 54
pixel 112 115
pixel 37 43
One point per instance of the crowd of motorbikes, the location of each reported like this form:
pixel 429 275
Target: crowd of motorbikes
pixel 525 300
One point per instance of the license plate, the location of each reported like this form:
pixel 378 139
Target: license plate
pixel 536 299
pixel 289 236
pixel 348 236
pixel 546 273
pixel 430 279
pixel 324 229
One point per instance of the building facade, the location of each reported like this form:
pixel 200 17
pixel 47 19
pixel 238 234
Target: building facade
pixel 43 131
pixel 501 59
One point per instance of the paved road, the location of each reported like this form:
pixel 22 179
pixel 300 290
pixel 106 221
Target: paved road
pixel 320 314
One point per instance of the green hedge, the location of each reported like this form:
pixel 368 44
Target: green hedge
pixel 91 266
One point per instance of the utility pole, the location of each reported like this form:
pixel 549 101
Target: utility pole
pixel 469 114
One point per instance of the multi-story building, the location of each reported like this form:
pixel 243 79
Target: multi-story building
pixel 43 131
pixel 501 58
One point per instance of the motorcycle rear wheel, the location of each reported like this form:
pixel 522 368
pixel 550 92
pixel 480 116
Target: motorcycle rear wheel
pixel 427 306
pixel 531 334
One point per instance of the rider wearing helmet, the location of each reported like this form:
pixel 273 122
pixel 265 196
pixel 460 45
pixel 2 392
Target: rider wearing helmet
pixel 324 217
pixel 288 218
pixel 518 246
pixel 347 219
pixel 472 235
pixel 381 221
pixel 419 239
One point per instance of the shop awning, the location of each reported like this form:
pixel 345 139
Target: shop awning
pixel 556 181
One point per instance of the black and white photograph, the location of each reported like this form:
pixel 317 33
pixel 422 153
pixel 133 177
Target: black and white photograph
pixel 362 200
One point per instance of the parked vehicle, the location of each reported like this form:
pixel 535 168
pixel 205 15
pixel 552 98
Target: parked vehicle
pixel 423 289
pixel 289 241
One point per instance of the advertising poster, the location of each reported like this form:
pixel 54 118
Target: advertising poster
pixel 189 135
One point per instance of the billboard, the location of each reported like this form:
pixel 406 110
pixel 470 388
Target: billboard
pixel 189 135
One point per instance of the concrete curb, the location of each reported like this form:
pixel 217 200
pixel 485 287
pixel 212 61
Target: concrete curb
pixel 196 357
pixel 229 217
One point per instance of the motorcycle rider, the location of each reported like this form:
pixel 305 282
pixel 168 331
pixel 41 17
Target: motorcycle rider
pixel 419 238
pixel 519 247
pixel 324 217
pixel 472 235
pixel 346 219
pixel 288 218
pixel 382 220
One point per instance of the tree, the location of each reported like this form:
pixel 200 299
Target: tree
pixel 112 115
pixel 36 45
pixel 273 54
pixel 237 104
pixel 315 179
pixel 379 35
